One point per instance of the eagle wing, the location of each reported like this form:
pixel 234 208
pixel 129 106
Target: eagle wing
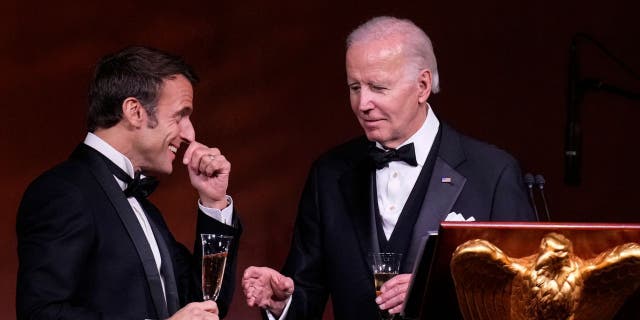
pixel 609 279
pixel 482 275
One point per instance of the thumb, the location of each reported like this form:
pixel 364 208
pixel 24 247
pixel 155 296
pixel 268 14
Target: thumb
pixel 282 286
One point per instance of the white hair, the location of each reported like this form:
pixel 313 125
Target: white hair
pixel 417 43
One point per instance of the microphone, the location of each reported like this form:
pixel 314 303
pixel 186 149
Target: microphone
pixel 528 180
pixel 573 133
pixel 540 183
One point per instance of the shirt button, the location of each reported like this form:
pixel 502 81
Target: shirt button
pixel 395 175
pixel 391 208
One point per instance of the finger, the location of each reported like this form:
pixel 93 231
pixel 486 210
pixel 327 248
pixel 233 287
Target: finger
pixel 251 282
pixel 255 273
pixel 199 153
pixel 397 309
pixel 249 272
pixel 199 156
pixel 250 297
pixel 210 306
pixel 250 301
pixel 250 292
pixel 279 282
pixel 193 158
pixel 188 154
pixel 210 159
pixel 246 290
pixel 207 161
pixel 399 280
pixel 395 301
pixel 404 278
pixel 285 284
pixel 217 165
pixel 394 291
pixel 393 297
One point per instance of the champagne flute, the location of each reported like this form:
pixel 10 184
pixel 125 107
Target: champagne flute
pixel 215 249
pixel 385 266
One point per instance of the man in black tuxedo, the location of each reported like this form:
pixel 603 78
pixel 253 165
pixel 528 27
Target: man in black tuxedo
pixel 385 191
pixel 90 245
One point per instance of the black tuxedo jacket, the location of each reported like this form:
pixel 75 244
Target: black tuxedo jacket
pixel 83 255
pixel 335 229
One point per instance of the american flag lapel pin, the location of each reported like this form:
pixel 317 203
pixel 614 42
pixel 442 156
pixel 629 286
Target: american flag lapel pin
pixel 445 180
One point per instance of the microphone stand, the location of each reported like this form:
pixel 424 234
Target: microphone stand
pixel 529 180
pixel 577 87
pixel 540 182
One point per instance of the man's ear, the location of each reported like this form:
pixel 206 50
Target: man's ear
pixel 424 84
pixel 133 113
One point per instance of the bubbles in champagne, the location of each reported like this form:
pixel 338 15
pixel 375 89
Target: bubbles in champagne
pixel 212 274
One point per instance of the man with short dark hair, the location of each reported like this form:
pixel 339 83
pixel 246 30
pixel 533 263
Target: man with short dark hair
pixel 90 245
pixel 385 191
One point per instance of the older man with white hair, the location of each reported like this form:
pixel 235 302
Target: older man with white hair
pixel 386 190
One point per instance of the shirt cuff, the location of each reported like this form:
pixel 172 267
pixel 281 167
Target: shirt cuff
pixel 225 215
pixel 284 312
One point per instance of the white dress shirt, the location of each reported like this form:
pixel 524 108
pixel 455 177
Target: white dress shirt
pixel 225 215
pixel 395 182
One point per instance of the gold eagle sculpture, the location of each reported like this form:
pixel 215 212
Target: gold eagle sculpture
pixel 551 284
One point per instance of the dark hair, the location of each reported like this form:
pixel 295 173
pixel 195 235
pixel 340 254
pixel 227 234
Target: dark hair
pixel 136 72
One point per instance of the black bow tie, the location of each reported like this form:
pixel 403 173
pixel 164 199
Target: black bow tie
pixel 381 158
pixel 140 188
pixel 136 187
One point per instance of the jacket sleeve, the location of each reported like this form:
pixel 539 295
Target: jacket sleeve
pixel 305 263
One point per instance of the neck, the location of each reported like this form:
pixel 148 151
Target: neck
pixel 119 140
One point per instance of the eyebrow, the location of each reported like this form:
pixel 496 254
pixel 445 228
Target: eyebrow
pixel 184 112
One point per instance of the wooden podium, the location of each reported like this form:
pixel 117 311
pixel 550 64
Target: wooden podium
pixel 515 240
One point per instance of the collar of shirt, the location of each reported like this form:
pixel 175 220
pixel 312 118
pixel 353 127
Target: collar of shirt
pixel 423 138
pixel 112 154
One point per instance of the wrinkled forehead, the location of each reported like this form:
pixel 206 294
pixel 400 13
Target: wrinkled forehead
pixel 375 53
pixel 383 48
pixel 376 61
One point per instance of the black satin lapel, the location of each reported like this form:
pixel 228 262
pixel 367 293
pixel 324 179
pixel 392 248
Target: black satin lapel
pixel 437 204
pixel 170 285
pixel 130 222
pixel 356 187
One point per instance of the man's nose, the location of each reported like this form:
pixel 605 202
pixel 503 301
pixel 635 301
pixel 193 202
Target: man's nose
pixel 365 102
pixel 187 132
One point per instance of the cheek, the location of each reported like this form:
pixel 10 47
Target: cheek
pixel 355 101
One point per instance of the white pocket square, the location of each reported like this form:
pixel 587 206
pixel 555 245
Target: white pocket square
pixel 458 217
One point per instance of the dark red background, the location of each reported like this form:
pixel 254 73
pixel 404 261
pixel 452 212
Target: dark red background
pixel 273 97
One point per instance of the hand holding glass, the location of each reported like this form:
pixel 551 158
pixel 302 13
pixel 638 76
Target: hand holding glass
pixel 214 259
pixel 385 266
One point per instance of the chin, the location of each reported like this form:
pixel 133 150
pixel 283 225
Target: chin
pixel 376 137
pixel 161 170
pixel 373 135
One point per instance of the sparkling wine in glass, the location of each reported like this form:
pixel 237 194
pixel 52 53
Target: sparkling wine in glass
pixel 215 249
pixel 385 266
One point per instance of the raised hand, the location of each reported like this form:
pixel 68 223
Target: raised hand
pixel 209 173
